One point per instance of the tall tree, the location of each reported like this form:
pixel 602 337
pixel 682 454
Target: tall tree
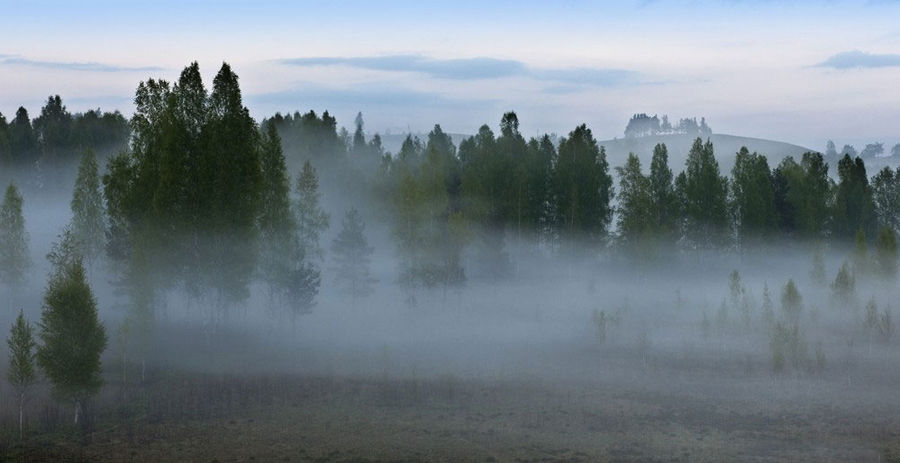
pixel 53 128
pixel 662 195
pixel 352 256
pixel 21 372
pixel 854 207
pixel 23 141
pixel 312 219
pixel 703 194
pixel 88 220
pixel 582 187
pixel 886 197
pixel 752 196
pixel 14 258
pixel 72 337
pixel 886 252
pixel 635 212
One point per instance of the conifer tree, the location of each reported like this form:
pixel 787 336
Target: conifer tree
pixel 88 222
pixel 21 372
pixel 14 259
pixel 72 337
pixel 353 255
pixel 703 194
pixel 277 225
pixel 312 220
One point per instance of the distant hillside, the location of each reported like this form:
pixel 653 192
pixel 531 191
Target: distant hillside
pixel 678 145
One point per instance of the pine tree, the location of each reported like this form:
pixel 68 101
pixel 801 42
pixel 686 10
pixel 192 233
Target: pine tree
pixel 312 220
pixel 14 259
pixel 662 195
pixel 353 256
pixel 277 225
pixel 21 372
pixel 72 336
pixel 88 221
pixel 844 284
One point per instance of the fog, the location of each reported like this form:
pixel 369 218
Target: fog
pixel 509 299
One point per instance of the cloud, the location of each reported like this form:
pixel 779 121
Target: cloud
pixel 860 59
pixel 475 69
pixel 72 66
pixel 370 95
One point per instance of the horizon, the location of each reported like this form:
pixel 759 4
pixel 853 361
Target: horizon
pixel 407 67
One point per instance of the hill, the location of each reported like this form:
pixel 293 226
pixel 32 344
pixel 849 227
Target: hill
pixel 726 146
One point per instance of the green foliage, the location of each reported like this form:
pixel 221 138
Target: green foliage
pixel 788 348
pixel 88 221
pixel 353 255
pixel 854 206
pixel 802 195
pixel 886 252
pixel 582 187
pixel 187 196
pixel 886 197
pixel 844 284
pixel 860 253
pixel 72 337
pixel 662 196
pixel 312 220
pixel 791 301
pixel 703 194
pixel 752 196
pixel 14 258
pixel 21 354
pixel 636 221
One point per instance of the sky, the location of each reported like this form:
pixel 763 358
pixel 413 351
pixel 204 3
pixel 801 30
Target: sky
pixel 801 72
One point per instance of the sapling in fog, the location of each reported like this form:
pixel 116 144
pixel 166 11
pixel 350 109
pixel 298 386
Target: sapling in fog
pixel 21 372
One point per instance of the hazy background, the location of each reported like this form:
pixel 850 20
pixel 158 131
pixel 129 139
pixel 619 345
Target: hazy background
pixel 802 73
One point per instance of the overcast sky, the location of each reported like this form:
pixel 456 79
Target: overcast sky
pixel 802 72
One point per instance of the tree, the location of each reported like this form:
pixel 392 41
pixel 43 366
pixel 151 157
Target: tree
pixel 277 225
pixel 21 372
pixel 635 211
pixel 353 255
pixel 830 150
pixel 844 284
pixel 662 195
pixel 53 128
pixel 849 150
pixel 886 197
pixel 312 220
pixel 803 196
pixel 817 273
pixel 23 142
pixel 72 337
pixel 752 196
pixel 582 187
pixel 88 221
pixel 14 259
pixel 895 151
pixel 854 206
pixel 703 194
pixel 791 301
pixel 886 252
pixel 872 150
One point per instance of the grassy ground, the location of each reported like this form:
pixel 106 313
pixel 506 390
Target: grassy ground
pixel 206 418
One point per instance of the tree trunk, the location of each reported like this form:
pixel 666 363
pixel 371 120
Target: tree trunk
pixel 21 406
pixel 77 409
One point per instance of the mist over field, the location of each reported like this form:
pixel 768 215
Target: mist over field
pixel 679 248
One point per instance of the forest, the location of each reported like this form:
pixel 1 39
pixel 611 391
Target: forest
pixel 192 266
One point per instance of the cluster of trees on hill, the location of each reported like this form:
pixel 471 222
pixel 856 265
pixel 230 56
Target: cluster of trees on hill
pixel 642 125
pixel 871 150
pixel 56 134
